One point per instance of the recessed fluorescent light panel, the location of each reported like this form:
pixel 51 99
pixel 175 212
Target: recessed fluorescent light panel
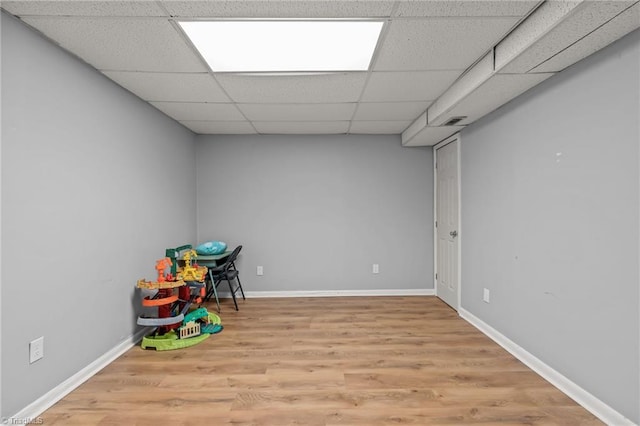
pixel 285 46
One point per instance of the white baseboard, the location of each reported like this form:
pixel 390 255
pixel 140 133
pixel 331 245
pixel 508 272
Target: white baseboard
pixel 38 407
pixel 572 390
pixel 333 293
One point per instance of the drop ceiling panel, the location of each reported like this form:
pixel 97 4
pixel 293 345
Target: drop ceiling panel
pixel 430 136
pixel 84 8
pixel 219 127
pixel 301 127
pixel 542 20
pixel 517 8
pixel 619 26
pixel 177 87
pixel 320 88
pixel 425 49
pixel 495 92
pixel 298 112
pixel 279 9
pixel 408 85
pixel 122 44
pixel 439 44
pixel 378 127
pixel 199 111
pixel 587 17
pixel 402 111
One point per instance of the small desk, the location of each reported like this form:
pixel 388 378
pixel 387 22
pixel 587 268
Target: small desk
pixel 211 261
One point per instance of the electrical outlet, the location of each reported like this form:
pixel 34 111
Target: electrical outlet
pixel 486 295
pixel 36 350
pixel 376 268
pixel 259 270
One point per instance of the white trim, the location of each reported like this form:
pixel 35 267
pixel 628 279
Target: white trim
pixel 47 400
pixel 450 139
pixel 572 390
pixel 435 217
pixel 333 293
pixel 460 233
pixel 447 141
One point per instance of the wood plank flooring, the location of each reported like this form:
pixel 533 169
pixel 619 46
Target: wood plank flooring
pixel 322 362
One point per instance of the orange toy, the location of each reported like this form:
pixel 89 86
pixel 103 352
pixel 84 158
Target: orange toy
pixel 161 266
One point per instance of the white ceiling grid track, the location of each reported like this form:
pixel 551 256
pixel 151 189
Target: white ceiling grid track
pixel 439 64
pixel 554 36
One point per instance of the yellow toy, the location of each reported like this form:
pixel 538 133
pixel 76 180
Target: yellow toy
pixel 191 272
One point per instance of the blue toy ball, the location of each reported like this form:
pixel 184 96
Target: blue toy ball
pixel 211 247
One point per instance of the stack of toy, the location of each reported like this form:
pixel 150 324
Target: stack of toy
pixel 177 324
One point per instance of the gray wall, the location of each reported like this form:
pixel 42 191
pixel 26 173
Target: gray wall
pixel 318 211
pixel 95 185
pixel 550 217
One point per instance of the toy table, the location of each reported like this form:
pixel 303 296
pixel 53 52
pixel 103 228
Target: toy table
pixel 211 261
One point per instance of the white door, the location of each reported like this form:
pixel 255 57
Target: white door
pixel 447 222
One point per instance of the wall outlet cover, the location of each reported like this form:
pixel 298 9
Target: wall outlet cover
pixel 36 350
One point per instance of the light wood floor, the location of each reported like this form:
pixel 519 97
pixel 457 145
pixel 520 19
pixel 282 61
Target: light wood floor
pixel 324 361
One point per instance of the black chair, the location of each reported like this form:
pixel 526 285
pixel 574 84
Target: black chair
pixel 227 272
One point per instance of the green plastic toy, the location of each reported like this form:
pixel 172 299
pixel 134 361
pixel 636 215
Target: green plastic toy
pixel 170 341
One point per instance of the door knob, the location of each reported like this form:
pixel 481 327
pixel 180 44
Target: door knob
pixel 453 233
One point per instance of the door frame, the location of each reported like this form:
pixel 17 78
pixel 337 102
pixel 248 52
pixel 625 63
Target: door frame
pixel 450 139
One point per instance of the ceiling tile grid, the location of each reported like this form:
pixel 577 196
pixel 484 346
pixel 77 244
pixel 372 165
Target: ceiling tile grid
pixel 407 85
pixel 122 44
pixel 301 127
pixel 298 112
pixel 200 111
pixel 439 43
pixel 219 127
pixel 378 127
pixel 389 110
pixel 317 88
pixel 425 50
pixel 517 8
pixel 175 87
pixel 279 9
pixel 84 8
